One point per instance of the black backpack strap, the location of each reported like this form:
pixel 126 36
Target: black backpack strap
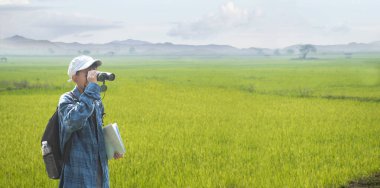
pixel 69 143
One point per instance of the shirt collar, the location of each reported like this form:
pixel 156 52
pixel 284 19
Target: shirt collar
pixel 76 92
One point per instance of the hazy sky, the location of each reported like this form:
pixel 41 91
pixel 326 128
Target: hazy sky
pixel 240 23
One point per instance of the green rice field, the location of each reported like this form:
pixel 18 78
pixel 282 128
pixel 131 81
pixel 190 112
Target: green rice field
pixel 208 122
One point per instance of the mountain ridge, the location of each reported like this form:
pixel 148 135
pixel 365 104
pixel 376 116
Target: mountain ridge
pixel 19 45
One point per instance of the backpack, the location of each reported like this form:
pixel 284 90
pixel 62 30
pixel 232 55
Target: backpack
pixel 54 160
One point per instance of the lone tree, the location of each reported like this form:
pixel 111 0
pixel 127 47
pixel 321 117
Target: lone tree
pixel 132 50
pixel 277 52
pixel 3 59
pixel 305 49
pixel 348 55
pixel 86 52
pixel 290 51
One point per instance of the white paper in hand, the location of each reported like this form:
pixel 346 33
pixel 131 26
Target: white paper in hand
pixel 113 140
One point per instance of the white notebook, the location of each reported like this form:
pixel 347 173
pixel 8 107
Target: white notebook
pixel 113 140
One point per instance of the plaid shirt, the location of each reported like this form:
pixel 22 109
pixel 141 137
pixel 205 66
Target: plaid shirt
pixel 87 147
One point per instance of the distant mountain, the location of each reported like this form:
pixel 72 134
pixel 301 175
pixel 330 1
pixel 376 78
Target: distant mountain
pixel 19 45
pixel 129 42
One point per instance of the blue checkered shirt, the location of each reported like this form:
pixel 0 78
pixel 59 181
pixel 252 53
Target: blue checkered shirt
pixel 88 149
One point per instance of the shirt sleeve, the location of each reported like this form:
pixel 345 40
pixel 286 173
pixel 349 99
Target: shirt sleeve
pixel 74 114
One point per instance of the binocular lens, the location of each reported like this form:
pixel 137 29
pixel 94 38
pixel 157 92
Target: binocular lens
pixel 111 77
pixel 103 76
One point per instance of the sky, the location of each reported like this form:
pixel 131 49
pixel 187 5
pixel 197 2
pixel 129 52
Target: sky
pixel 239 23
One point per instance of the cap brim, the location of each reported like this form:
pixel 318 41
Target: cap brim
pixel 88 64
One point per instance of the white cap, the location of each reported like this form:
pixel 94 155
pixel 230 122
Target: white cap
pixel 80 63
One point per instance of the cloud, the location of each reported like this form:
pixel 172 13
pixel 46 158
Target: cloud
pixel 62 24
pixel 229 17
pixel 337 29
pixel 17 8
pixel 341 28
pixel 14 2
pixel 42 23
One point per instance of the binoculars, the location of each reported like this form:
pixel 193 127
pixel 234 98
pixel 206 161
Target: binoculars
pixel 103 76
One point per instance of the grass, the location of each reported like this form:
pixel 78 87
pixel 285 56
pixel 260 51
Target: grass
pixel 194 122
